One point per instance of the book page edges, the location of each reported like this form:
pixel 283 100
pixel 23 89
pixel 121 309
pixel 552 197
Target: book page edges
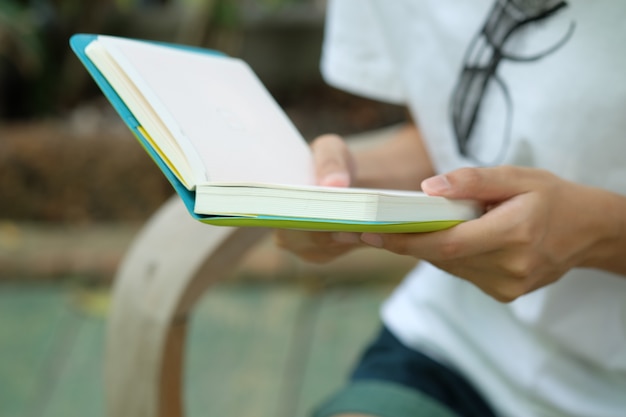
pixel 163 157
pixel 157 117
pixel 137 104
pixel 187 196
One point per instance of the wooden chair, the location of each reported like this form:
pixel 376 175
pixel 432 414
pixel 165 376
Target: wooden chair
pixel 171 263
pixel 167 269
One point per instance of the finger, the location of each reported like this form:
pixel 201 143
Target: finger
pixel 485 184
pixel 473 270
pixel 316 247
pixel 297 241
pixel 333 161
pixel 493 231
pixel 294 239
pixel 494 280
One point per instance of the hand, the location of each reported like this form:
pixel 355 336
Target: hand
pixel 335 168
pixel 536 227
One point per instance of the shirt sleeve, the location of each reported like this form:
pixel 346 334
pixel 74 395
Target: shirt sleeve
pixel 355 57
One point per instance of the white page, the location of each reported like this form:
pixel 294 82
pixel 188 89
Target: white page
pixel 221 108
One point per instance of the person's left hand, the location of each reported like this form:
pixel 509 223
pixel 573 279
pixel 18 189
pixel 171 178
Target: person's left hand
pixel 536 226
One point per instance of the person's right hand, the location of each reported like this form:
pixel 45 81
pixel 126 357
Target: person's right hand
pixel 335 167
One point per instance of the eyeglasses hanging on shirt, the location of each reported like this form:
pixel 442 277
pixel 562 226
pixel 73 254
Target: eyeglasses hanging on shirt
pixel 482 58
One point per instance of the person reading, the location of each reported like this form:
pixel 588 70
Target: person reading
pixel 516 104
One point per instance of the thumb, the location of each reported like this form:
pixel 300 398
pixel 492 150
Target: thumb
pixel 482 184
pixel 333 161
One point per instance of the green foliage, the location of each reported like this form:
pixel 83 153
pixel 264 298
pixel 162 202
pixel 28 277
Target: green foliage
pixel 18 37
pixel 274 4
pixel 126 5
pixel 225 13
pixel 40 76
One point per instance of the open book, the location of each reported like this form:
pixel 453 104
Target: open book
pixel 230 151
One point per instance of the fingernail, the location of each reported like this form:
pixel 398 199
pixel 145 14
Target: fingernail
pixel 336 179
pixel 372 240
pixel 436 184
pixel 346 237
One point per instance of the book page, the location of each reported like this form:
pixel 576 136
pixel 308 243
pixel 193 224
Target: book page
pixel 216 107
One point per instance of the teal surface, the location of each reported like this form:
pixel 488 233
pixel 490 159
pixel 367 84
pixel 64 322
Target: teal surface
pixel 256 350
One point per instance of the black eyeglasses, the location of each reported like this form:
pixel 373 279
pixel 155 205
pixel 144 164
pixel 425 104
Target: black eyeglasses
pixel 484 54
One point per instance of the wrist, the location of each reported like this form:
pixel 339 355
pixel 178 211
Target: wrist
pixel 608 249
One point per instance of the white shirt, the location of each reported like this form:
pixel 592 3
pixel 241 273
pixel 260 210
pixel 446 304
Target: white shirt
pixel 561 350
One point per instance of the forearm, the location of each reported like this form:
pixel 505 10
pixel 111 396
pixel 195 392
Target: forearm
pixel 401 162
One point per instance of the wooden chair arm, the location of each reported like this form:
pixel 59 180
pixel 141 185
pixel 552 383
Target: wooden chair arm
pixel 167 269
